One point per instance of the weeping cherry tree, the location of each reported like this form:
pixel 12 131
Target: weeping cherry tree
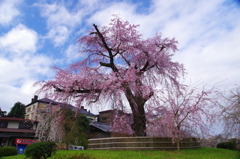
pixel 118 64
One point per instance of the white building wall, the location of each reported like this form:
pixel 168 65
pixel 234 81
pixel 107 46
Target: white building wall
pixel 13 124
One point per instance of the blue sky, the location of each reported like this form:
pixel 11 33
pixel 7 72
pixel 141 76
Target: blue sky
pixel 35 35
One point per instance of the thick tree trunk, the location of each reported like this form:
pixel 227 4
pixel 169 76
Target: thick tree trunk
pixel 139 121
pixel 178 144
pixel 137 100
pixel 137 106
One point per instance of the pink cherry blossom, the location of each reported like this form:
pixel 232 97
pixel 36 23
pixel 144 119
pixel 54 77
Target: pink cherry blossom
pixel 118 62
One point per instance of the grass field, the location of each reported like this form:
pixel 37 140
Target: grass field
pixel 202 153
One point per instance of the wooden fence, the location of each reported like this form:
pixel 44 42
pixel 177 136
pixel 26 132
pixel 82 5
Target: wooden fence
pixel 140 143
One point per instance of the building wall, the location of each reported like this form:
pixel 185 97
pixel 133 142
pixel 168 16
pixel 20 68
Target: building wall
pixel 92 118
pixel 99 134
pixel 30 111
pixel 105 116
pixel 9 134
pixel 33 111
pixel 13 124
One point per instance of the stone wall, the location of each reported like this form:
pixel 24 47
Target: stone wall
pixel 140 143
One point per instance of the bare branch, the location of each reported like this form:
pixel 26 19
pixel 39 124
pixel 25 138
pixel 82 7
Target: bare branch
pixel 114 68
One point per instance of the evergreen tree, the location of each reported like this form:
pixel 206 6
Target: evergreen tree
pixel 75 127
pixel 17 110
pixel 2 113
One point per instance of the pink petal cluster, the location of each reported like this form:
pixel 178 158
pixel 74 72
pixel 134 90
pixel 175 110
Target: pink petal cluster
pixel 118 62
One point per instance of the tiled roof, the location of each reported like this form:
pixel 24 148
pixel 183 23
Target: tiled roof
pixel 102 126
pixel 15 119
pixel 49 101
pixel 4 135
pixel 17 130
pixel 106 111
pixel 46 100
pixel 7 135
pixel 82 111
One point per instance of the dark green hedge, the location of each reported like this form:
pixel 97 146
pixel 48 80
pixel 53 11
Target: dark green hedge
pixel 226 145
pixel 231 144
pixel 40 150
pixel 8 151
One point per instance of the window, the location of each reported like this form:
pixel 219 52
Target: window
pixel 25 125
pixel 3 124
pixel 104 118
pixel 32 116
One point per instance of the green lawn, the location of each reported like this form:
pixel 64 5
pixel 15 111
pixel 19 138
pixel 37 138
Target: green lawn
pixel 202 153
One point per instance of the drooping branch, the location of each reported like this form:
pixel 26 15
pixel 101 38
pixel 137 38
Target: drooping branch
pixel 71 91
pixel 121 61
pixel 145 67
pixel 111 57
pixel 161 47
pixel 105 64
pixel 124 58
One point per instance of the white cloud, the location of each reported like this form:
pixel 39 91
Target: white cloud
pixel 209 48
pixel 40 65
pixel 59 15
pixel 19 40
pixel 59 35
pixel 17 71
pixel 207 31
pixel 215 61
pixel 72 53
pixel 8 11
pixel 20 66
pixel 122 9
pixel 19 75
pixel 90 3
pixel 13 70
pixel 60 22
pixel 10 94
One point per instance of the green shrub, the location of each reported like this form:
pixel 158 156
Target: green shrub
pixel 233 140
pixel 236 143
pixel 38 150
pixel 232 144
pixel 8 151
pixel 227 145
pixel 237 147
pixel 1 152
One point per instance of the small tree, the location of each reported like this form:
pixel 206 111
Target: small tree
pixel 117 64
pixel 230 112
pixel 63 126
pixel 184 111
pixel 18 110
pixel 78 132
pixel 68 126
pixel 75 127
pixel 49 128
